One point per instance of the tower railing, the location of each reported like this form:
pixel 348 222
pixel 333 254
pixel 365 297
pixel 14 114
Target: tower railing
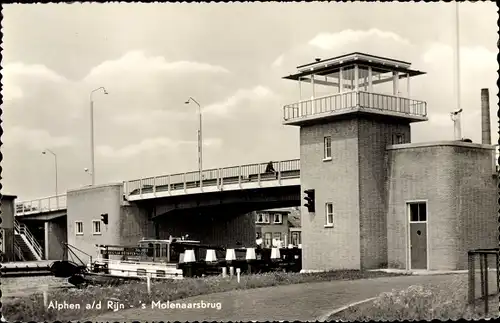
pixel 354 99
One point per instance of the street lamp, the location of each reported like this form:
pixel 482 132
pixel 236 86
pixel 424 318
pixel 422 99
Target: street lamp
pixel 200 139
pixel 92 132
pixel 55 160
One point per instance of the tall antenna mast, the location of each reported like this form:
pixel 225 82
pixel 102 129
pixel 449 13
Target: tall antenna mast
pixel 457 59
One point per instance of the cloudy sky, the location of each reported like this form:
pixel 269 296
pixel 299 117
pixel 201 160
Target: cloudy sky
pixel 229 57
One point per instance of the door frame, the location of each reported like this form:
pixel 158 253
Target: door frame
pixel 408 235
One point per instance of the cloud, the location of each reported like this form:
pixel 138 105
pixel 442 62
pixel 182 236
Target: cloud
pixel 278 61
pixel 152 144
pixel 224 107
pixel 470 57
pixel 329 41
pixel 11 92
pixel 26 70
pixel 35 139
pixel 148 117
pixel 14 73
pixel 137 62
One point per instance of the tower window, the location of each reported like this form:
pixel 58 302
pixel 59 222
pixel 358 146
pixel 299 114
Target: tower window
pixel 96 226
pixel 329 215
pixel 327 148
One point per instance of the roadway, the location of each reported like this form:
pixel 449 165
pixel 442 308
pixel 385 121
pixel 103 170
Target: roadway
pixel 303 302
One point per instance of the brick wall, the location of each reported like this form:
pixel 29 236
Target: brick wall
pixel 134 225
pixel 56 236
pixel 456 181
pixel 273 228
pixel 335 181
pixel 8 213
pixel 374 136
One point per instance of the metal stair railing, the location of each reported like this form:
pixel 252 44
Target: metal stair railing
pixel 19 252
pixel 22 229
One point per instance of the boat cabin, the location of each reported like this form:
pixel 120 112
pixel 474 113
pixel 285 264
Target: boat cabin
pixel 151 250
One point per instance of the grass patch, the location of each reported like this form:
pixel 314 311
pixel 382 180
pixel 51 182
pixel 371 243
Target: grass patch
pixel 421 302
pixel 131 293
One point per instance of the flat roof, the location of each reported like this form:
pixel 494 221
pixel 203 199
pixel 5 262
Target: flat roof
pixel 331 65
pixel 456 143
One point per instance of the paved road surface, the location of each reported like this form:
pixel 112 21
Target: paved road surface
pixel 292 302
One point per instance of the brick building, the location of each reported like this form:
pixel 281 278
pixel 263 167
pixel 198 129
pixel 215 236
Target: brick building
pixel 278 225
pixel 379 199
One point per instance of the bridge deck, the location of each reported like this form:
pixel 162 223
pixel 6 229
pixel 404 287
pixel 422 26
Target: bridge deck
pixel 286 173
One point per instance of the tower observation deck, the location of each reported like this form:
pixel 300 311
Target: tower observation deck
pixel 355 83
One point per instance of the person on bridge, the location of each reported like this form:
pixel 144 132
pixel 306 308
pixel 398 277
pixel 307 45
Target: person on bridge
pixel 270 169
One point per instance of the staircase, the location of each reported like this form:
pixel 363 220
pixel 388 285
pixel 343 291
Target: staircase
pixel 27 247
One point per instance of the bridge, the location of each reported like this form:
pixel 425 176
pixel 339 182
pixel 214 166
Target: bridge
pixel 242 177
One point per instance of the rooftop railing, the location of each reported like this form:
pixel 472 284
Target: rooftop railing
pixel 350 100
pixel 214 177
pixel 41 205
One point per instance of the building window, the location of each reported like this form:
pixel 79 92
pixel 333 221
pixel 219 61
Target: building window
pixel 295 238
pixel 327 148
pixel 329 214
pixel 418 212
pixel 398 138
pixel 267 239
pixel 262 218
pixel 96 226
pixel 277 239
pixel 79 227
pixel 278 218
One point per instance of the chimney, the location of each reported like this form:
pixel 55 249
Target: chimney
pixel 485 117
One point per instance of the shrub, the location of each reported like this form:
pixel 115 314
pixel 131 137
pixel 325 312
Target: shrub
pixel 418 302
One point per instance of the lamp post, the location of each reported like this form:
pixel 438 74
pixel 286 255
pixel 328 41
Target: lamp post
pixel 55 160
pixel 200 139
pixel 92 148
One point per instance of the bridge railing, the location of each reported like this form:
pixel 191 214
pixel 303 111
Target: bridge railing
pixel 40 205
pixel 214 177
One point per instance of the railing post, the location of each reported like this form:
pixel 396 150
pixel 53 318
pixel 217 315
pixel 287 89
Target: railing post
pixel 279 172
pixel 472 273
pixel 221 178
pixel 185 185
pixel 486 284
pixel 169 184
pixel 154 186
pixel 140 187
pixel 49 204
pixel 481 273
pixel 239 176
pixel 258 174
pixel 498 273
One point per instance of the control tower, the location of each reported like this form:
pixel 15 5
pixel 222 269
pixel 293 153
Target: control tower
pixel 350 109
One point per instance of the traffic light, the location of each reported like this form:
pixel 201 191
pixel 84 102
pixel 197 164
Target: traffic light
pixel 104 218
pixel 309 200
